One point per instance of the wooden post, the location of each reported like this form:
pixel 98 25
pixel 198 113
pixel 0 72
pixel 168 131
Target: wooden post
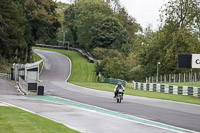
pixel 179 78
pixel 160 78
pixel 165 78
pixel 184 77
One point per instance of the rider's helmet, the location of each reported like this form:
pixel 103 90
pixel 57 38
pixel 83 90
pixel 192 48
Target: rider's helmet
pixel 119 84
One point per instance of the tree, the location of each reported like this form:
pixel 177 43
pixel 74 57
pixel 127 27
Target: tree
pixel 182 13
pixel 11 31
pixel 22 24
pixel 108 33
pixel 83 18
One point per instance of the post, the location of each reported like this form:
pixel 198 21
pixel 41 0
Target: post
pixel 63 37
pixel 195 77
pixel 158 63
pixel 184 77
pixel 174 78
pixel 68 44
pixel 160 78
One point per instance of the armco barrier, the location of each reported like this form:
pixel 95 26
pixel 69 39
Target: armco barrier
pixel 136 85
pixel 83 53
pixel 180 90
pixel 195 91
pixel 158 88
pixel 142 86
pixel 171 89
pixel 147 86
pixel 190 91
pixel 162 88
pixel 175 89
pixel 185 90
pixel 154 87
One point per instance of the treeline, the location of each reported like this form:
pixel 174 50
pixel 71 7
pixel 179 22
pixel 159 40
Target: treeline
pixel 22 24
pixel 106 30
pixel 126 51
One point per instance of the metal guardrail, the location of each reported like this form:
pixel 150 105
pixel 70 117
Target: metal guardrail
pixel 83 53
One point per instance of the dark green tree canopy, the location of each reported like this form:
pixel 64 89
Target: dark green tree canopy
pixel 109 33
pixel 24 22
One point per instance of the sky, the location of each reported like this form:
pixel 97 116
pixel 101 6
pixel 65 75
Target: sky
pixel 146 12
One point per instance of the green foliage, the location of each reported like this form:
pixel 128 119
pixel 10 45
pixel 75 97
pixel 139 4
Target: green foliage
pixel 83 17
pixel 108 33
pixel 177 35
pixel 116 65
pixel 11 31
pixel 22 23
pixel 99 53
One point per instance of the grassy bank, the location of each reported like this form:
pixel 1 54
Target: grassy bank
pixel 38 58
pixel 83 74
pixel 5 68
pixel 14 120
pixel 82 70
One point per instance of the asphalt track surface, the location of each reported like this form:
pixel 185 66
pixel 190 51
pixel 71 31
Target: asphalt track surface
pixel 57 69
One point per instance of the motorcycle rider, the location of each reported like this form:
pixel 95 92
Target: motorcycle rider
pixel 116 89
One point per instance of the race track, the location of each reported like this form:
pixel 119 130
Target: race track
pixel 57 69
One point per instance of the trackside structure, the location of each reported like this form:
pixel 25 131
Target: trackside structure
pixel 27 76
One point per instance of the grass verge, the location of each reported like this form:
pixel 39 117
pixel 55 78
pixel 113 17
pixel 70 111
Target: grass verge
pixel 195 84
pixel 38 58
pixel 14 120
pixel 83 74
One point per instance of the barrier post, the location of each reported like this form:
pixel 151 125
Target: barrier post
pixel 175 89
pixel 162 88
pixel 180 90
pixel 190 91
pixel 171 89
pixel 158 88
pixel 154 87
pixel 147 86
pixel 166 88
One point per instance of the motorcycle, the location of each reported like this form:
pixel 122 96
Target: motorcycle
pixel 119 96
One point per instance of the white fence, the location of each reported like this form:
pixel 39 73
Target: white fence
pixel 169 78
pixel 5 75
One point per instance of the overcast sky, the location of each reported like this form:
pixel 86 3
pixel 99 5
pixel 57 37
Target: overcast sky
pixel 144 11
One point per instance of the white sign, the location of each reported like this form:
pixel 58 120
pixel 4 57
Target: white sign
pixel 195 60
